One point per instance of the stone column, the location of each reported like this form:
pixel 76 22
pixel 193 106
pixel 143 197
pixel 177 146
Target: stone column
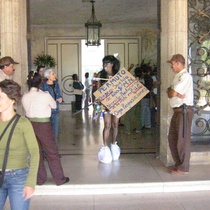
pixel 13 18
pixel 174 39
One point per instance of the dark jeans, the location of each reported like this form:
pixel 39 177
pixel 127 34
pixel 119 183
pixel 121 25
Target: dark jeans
pixel 78 102
pixel 180 146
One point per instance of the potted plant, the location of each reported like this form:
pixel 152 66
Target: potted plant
pixel 44 60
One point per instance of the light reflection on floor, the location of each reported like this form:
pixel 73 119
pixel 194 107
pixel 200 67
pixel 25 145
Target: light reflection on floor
pixel 80 134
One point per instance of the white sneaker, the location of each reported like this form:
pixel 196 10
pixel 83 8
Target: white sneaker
pixel 115 150
pixel 104 155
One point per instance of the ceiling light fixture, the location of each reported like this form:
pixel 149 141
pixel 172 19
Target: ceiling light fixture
pixel 93 29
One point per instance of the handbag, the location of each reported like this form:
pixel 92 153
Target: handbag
pixel 6 154
pixel 77 92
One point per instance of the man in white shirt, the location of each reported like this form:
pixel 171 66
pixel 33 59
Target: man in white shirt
pixel 180 95
pixel 7 66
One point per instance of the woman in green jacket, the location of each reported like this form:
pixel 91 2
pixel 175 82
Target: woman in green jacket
pixel 21 170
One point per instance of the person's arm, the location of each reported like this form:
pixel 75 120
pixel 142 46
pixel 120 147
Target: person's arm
pixel 172 93
pixel 130 67
pixel 58 93
pixel 51 101
pixel 81 86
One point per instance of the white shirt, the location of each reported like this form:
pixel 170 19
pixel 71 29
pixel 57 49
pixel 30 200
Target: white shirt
pixel 87 84
pixel 38 104
pixel 154 80
pixel 183 84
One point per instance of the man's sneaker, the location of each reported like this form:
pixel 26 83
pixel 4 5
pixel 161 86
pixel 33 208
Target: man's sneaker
pixel 104 155
pixel 115 150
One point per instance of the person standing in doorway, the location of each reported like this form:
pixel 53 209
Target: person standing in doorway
pixel 145 102
pixel 40 71
pixel 180 95
pixel 87 90
pixel 134 114
pixel 78 86
pixel 51 85
pixel 7 66
pixel 111 66
pixel 94 86
pixel 37 105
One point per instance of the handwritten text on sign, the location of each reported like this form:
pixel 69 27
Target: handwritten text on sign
pixel 121 92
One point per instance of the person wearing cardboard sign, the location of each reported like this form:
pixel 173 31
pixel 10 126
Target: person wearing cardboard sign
pixel 111 66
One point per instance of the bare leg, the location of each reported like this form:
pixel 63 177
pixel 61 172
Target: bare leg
pixel 107 127
pixel 115 123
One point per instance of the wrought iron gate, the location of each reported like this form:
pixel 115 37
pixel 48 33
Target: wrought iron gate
pixel 199 67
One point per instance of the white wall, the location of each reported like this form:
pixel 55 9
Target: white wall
pixel 148 35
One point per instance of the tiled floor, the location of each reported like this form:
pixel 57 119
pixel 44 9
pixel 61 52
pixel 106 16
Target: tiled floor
pixel 80 134
pixel 137 181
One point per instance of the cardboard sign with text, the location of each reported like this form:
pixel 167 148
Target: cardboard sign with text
pixel 121 92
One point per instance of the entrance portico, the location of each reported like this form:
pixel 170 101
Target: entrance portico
pixel 173 36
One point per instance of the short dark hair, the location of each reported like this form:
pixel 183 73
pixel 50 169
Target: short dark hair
pixel 39 67
pixel 146 68
pixel 11 89
pixel 86 75
pixel 138 72
pixel 34 79
pixel 74 76
pixel 177 58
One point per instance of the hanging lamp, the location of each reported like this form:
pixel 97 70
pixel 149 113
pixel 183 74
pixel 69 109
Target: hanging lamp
pixel 93 29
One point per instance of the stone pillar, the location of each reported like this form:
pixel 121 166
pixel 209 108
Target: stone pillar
pixel 174 39
pixel 13 18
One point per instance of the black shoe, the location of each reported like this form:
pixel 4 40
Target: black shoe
pixel 67 180
pixel 144 128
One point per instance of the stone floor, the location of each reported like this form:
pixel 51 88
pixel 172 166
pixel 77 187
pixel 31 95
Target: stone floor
pixel 80 134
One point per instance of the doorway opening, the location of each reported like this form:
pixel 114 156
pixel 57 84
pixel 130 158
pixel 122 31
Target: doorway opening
pixel 91 59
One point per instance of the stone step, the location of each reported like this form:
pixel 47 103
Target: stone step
pixel 130 188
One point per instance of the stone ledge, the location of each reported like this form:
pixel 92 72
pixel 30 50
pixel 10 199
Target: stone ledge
pixel 132 188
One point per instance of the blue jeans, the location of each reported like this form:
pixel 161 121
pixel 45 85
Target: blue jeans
pixel 87 96
pixel 145 113
pixel 55 124
pixel 14 182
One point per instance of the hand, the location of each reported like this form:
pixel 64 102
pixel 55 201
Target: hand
pixel 28 192
pixel 131 66
pixel 60 100
pixel 180 95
